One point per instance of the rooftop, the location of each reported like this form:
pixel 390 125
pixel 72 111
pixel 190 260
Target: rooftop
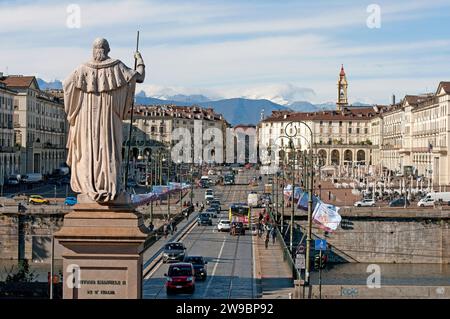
pixel 346 114
pixel 186 112
pixel 18 81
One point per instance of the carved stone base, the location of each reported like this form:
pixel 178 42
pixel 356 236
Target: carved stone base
pixel 102 246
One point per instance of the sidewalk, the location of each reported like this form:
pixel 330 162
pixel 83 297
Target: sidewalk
pixel 272 273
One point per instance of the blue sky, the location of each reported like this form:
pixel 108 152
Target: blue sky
pixel 280 50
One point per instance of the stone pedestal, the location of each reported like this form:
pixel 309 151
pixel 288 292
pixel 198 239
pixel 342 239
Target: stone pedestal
pixel 102 246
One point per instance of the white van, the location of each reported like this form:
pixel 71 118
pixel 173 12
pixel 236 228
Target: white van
pixel 431 198
pixel 253 200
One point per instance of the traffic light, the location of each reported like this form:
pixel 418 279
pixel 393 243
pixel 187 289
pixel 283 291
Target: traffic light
pixel 318 263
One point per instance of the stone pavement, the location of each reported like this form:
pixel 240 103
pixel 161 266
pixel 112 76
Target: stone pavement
pixel 272 273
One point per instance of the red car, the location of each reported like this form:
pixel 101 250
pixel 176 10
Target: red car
pixel 180 277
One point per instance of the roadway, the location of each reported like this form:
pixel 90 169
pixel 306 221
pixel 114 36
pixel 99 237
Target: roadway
pixel 230 258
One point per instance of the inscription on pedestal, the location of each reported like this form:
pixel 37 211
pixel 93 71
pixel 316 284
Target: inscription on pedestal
pixel 103 283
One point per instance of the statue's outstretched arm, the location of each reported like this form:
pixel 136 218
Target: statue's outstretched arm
pixel 140 77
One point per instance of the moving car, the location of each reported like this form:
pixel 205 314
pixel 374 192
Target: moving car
pixel 212 211
pixel 215 202
pixel 228 179
pixel 38 200
pixel 174 251
pixel 180 277
pixel 224 225
pixel 399 202
pixel 266 199
pixel 204 219
pixel 367 202
pixel 209 195
pixel 205 182
pixel 199 264
pixel 70 201
pixel 237 228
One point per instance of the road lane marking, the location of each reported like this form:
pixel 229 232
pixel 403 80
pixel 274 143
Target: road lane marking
pixel 215 266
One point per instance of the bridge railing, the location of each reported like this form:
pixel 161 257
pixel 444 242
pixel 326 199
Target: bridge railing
pixel 287 256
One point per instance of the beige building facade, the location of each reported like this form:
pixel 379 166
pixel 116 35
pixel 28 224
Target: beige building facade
pixel 416 134
pixel 8 160
pixel 40 129
pixel 154 127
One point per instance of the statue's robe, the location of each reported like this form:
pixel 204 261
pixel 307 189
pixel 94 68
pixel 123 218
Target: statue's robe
pixel 97 97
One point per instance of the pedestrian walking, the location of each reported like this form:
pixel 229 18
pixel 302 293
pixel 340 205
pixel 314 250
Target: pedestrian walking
pixel 165 229
pixel 274 234
pixel 267 240
pixel 151 226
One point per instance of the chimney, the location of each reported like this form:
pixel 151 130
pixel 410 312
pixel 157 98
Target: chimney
pixel 393 99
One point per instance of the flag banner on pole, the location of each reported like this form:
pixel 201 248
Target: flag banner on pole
pixel 303 201
pixel 159 192
pixel 326 216
pixel 287 192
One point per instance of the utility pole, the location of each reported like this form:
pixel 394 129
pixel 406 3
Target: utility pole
pixel 276 194
pixel 168 193
pixel 192 184
pixel 282 202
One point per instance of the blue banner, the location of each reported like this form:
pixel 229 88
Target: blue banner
pixel 304 199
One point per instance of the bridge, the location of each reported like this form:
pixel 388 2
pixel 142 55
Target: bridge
pixel 238 266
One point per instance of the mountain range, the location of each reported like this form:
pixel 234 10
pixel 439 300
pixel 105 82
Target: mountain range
pixel 235 110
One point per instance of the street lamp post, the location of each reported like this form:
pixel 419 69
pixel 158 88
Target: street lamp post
pixel 310 201
pixel 291 243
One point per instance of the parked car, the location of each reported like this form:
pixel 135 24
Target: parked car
pixel 13 179
pixel 38 200
pixel 399 202
pixel 174 251
pixel 199 264
pixel 367 202
pixel 70 201
pixel 204 219
pixel 224 225
pixel 180 277
pixel 32 178
pixel 426 202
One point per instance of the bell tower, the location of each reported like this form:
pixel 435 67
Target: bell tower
pixel 342 84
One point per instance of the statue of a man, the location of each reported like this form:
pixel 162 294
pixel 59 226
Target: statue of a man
pixel 97 96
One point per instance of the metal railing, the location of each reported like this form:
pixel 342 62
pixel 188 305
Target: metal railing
pixel 287 256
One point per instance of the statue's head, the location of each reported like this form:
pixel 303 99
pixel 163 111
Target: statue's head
pixel 100 50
